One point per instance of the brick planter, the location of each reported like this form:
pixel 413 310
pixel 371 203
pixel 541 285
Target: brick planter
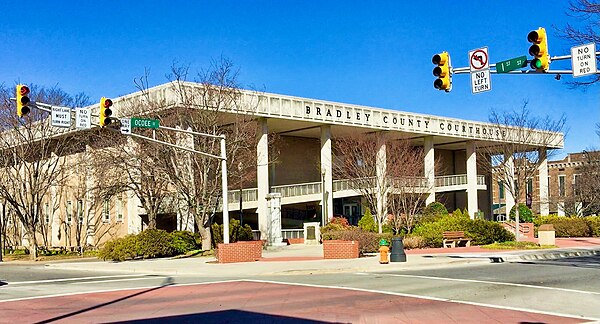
pixel 295 241
pixel 242 251
pixel 337 249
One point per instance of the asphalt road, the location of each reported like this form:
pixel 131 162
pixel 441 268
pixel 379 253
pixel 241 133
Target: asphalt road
pixel 565 287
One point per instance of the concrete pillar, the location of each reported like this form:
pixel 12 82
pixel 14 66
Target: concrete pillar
pixel 134 221
pixel 510 200
pixel 471 179
pixel 543 173
pixel 326 171
pixel 429 168
pixel 262 176
pixel 274 226
pixel 381 170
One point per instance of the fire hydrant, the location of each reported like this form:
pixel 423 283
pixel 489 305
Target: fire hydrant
pixel 383 252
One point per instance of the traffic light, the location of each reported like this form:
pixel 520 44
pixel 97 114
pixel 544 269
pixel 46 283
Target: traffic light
pixel 443 71
pixel 22 100
pixel 105 111
pixel 539 49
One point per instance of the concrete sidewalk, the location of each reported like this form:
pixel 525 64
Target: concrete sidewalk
pixel 305 259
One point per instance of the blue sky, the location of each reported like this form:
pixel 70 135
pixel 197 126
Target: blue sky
pixel 369 53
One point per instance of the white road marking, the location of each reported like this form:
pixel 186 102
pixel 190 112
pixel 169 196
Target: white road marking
pixel 493 283
pixel 427 298
pixel 116 289
pixel 71 279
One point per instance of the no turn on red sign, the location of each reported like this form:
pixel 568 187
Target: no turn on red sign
pixel 479 65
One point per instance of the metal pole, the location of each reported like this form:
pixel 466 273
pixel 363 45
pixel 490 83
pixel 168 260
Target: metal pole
pixel 224 185
pixel 241 191
pixel 324 202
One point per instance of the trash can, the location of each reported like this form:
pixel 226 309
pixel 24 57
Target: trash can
pixel 546 235
pixel 397 254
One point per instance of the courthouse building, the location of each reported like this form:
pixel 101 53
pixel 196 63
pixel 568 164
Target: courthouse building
pixel 306 128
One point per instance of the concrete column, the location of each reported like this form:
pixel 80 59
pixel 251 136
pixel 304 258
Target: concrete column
pixel 510 200
pixel 543 172
pixel 134 221
pixel 326 171
pixel 471 179
pixel 262 176
pixel 429 168
pixel 381 169
pixel 274 226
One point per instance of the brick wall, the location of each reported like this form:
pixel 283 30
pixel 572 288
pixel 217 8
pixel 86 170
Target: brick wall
pixel 527 229
pixel 243 251
pixel 295 241
pixel 337 249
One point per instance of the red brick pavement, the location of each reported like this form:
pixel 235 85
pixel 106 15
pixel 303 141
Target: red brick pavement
pixel 244 302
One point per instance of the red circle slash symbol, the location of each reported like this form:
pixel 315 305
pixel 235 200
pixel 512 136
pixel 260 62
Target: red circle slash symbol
pixel 479 59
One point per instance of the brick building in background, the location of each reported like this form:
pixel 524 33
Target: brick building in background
pixel 564 178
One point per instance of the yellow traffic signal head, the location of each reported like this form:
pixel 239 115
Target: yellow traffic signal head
pixel 539 49
pixel 443 71
pixel 105 111
pixel 22 100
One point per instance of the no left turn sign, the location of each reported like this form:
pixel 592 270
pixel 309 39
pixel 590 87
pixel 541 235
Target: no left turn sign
pixel 479 59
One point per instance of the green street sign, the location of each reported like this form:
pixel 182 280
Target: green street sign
pixel 512 64
pixel 144 123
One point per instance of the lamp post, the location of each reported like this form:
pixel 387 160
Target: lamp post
pixel 240 167
pixel 324 218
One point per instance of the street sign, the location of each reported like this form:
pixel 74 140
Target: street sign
pixel 479 59
pixel 480 81
pixel 83 118
pixel 479 65
pixel 583 59
pixel 512 64
pixel 126 126
pixel 61 117
pixel 144 123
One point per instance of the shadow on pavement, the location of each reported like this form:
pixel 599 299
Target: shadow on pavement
pixel 167 282
pixel 225 316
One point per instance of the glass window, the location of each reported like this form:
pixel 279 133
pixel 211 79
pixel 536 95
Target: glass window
pixel 561 185
pixel 47 213
pixel 69 212
pixel 529 186
pixel 501 189
pixel 80 211
pixel 106 211
pixel 119 209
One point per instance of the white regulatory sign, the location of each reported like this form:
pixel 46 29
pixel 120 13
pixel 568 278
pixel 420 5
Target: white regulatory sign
pixel 583 59
pixel 480 81
pixel 126 126
pixel 61 117
pixel 479 59
pixel 83 118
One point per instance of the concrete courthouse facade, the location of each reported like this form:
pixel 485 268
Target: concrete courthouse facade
pixel 303 175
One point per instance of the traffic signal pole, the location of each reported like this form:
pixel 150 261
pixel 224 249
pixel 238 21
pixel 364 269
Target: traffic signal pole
pixel 466 70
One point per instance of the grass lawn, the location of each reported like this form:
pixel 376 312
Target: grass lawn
pixel 513 245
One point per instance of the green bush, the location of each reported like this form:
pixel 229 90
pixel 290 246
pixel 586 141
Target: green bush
pixel 154 243
pixel 433 212
pixel 183 241
pixel 236 232
pixel 487 232
pixel 120 249
pixel 594 223
pixel 566 226
pixel 458 213
pixel 367 222
pixel 525 214
pixel 480 231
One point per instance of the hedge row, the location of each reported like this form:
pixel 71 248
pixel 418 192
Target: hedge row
pixel 479 230
pixel 150 243
pixel 571 226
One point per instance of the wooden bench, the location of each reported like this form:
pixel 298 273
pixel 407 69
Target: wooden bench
pixel 453 239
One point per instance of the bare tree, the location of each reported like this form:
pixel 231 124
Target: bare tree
pixel 587 13
pixel 584 199
pixel 410 186
pixel 515 158
pixel 31 156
